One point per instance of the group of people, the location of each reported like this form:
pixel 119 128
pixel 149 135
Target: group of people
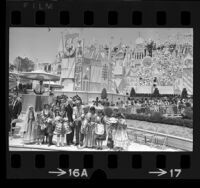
pixel 164 105
pixel 71 124
pixel 15 108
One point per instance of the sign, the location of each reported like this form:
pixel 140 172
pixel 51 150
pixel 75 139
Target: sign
pixel 68 68
pixel 70 44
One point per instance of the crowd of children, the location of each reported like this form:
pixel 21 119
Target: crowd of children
pixel 73 125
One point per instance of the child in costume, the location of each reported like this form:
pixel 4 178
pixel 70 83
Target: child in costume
pixel 100 130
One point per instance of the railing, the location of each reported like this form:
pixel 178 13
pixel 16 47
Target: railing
pixel 170 140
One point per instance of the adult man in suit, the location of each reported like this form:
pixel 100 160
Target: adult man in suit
pixel 78 114
pixel 10 106
pixel 16 109
pixel 69 110
pixel 39 89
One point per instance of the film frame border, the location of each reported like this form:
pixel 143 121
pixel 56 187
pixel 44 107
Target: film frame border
pixel 137 163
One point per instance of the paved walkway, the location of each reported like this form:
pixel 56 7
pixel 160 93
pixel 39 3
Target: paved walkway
pixel 17 144
pixel 174 130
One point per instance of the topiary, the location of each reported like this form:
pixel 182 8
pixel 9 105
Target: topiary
pixel 132 94
pixel 184 93
pixel 104 93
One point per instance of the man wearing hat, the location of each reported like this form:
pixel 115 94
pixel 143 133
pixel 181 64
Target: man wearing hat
pixel 39 89
pixel 69 110
pixel 16 108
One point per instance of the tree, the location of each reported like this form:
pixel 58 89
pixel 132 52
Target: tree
pixel 104 93
pixel 184 93
pixel 11 67
pixel 156 92
pixel 23 64
pixel 132 94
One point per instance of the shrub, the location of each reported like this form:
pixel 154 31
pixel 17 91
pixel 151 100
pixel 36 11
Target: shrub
pixel 122 110
pixel 128 110
pixel 187 123
pixel 138 110
pixel 188 113
pixel 175 109
pixel 141 110
pixel 156 117
pixel 104 93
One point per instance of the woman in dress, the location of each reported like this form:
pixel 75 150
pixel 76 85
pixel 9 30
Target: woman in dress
pixel 120 136
pixel 30 126
pixel 40 132
pixel 100 130
pixel 47 119
pixel 90 129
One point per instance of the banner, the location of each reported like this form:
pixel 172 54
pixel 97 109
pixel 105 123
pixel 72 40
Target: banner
pixel 118 69
pixel 178 86
pixel 78 74
pixel 166 89
pixel 70 42
pixel 68 68
pixel 96 74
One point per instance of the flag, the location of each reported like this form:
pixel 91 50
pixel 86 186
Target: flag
pixel 188 79
pixel 96 74
pixel 68 68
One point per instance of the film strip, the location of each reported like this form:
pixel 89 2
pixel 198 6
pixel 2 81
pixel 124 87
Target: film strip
pixel 22 164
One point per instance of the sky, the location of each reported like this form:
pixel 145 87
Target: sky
pixel 41 44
